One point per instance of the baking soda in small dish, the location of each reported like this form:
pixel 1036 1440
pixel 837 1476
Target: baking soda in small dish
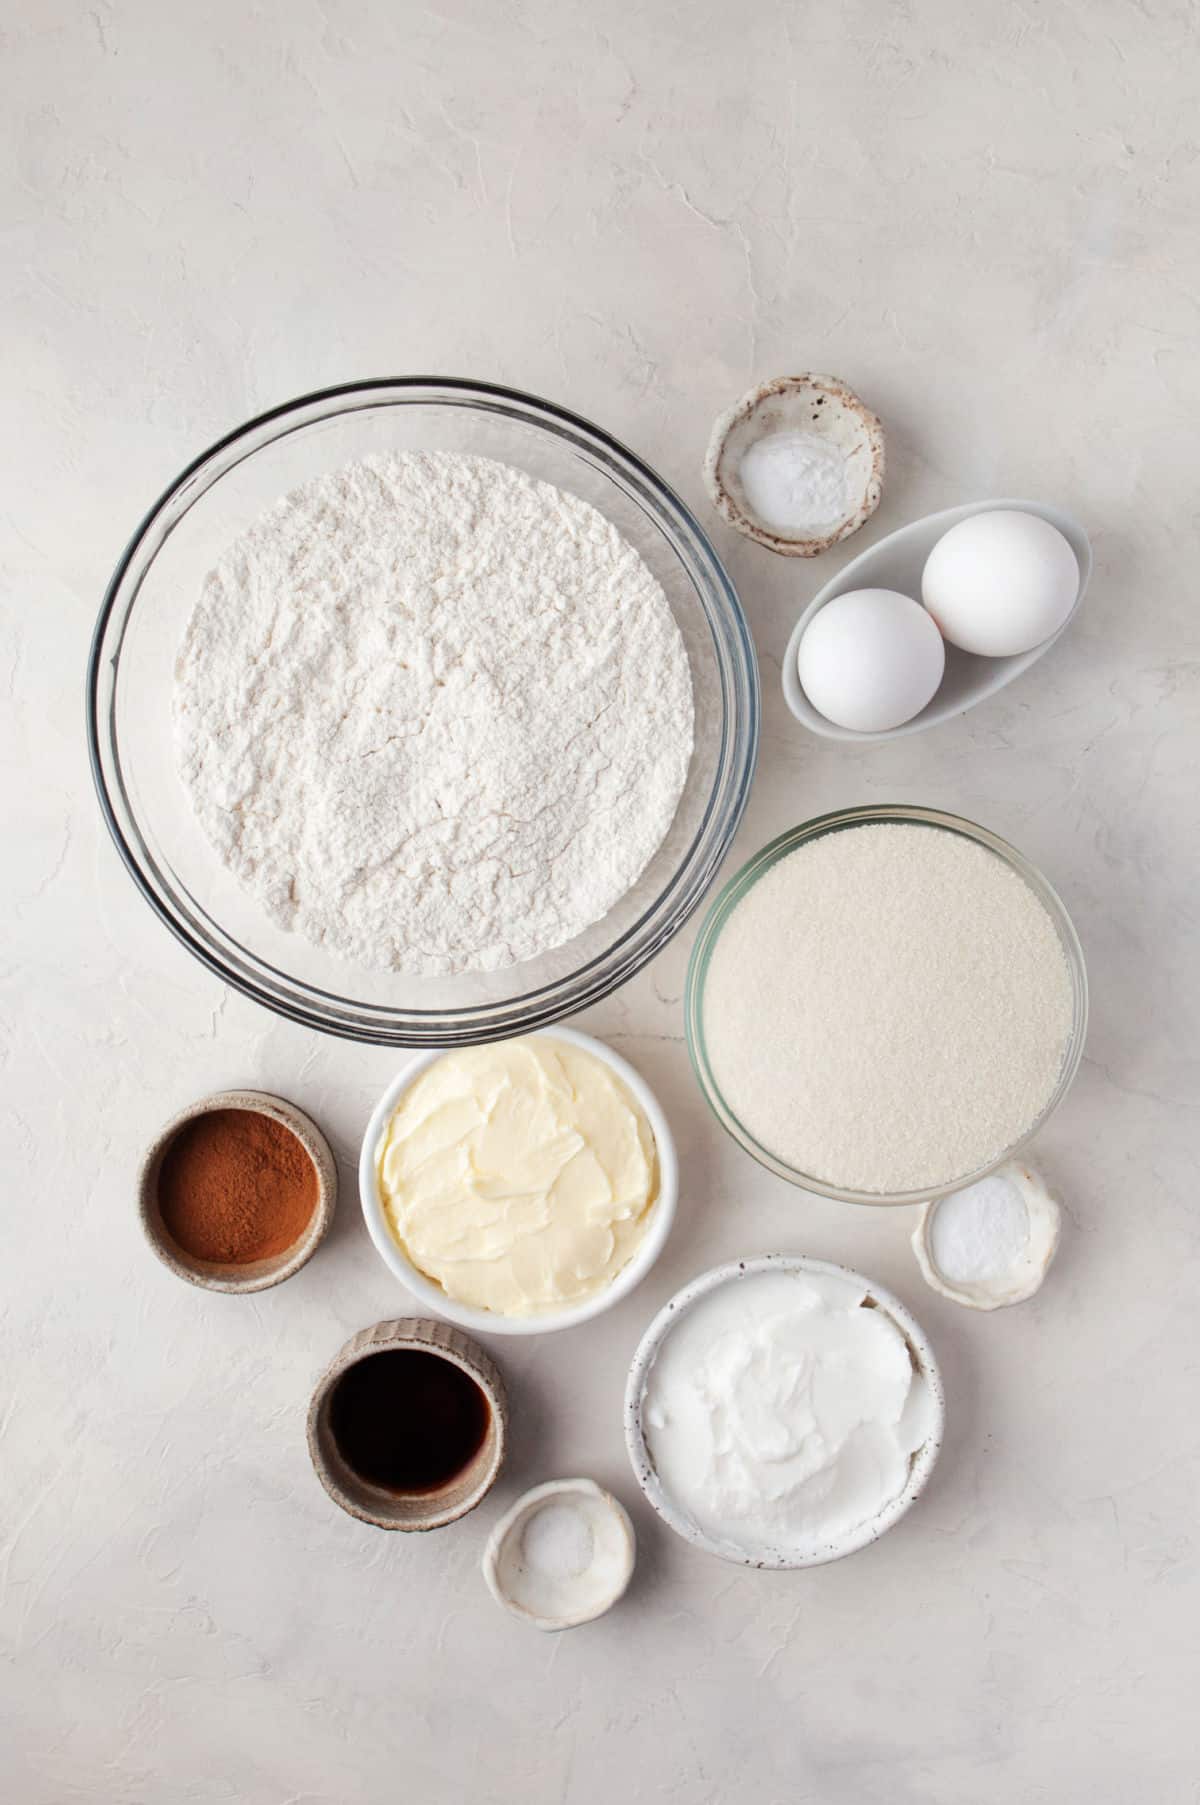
pixel 981 1232
pixel 991 1243
pixel 888 1008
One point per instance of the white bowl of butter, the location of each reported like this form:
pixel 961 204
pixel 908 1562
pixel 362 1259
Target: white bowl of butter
pixel 521 1186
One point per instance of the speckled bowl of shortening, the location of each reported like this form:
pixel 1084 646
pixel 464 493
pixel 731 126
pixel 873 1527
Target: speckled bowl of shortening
pixel 641 1459
pixel 757 867
pixel 490 1322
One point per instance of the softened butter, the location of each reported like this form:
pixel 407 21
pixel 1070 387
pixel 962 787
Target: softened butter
pixel 519 1177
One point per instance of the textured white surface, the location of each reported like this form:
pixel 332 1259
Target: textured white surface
pixel 984 219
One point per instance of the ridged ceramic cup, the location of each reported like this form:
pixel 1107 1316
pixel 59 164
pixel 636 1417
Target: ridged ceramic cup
pixel 255 1275
pixel 410 1510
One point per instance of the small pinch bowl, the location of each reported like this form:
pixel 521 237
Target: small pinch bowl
pixel 503 1568
pixel 1025 1277
pixel 488 1322
pixel 780 1560
pixel 821 405
pixel 131 732
pixel 896 563
pixel 410 1511
pixel 258 1275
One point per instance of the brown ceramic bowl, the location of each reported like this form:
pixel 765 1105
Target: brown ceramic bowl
pixel 415 1510
pixel 258 1275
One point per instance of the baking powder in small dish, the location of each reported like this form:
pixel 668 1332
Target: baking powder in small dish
pixel 795 481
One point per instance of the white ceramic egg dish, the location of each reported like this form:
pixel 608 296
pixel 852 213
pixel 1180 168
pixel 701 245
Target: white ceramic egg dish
pixel 902 563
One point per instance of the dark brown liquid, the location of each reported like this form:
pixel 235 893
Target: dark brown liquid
pixel 407 1421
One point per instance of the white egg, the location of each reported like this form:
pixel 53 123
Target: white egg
pixel 871 660
pixel 1000 582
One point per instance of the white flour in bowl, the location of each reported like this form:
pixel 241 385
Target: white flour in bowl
pixel 434 714
pixel 888 1007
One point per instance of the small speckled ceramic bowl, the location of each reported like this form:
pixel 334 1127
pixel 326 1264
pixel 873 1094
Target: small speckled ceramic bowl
pixel 410 1510
pixel 817 405
pixel 734 1273
pixel 257 1275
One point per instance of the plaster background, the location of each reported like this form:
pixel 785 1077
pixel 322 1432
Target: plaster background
pixel 984 218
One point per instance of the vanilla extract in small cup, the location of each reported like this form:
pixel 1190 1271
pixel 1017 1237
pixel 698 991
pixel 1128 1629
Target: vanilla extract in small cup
pixel 407 1427
pixel 407 1421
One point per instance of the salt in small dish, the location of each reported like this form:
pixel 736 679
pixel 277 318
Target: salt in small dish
pixel 897 562
pixel 808 407
pixel 563 1555
pixel 992 1243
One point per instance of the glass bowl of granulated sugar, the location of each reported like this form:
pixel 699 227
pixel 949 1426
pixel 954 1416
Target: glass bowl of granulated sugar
pixel 422 712
pixel 885 1004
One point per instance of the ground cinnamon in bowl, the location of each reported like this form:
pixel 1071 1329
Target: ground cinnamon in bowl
pixel 236 1186
pixel 238 1192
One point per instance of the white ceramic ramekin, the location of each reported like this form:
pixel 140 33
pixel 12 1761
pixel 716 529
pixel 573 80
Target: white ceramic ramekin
pixel 643 1464
pixel 491 1322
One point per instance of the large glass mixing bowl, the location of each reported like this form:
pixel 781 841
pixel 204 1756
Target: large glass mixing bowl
pixel 141 627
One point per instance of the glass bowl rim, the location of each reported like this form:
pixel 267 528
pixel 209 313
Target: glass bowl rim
pixel 744 879
pixel 605 971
